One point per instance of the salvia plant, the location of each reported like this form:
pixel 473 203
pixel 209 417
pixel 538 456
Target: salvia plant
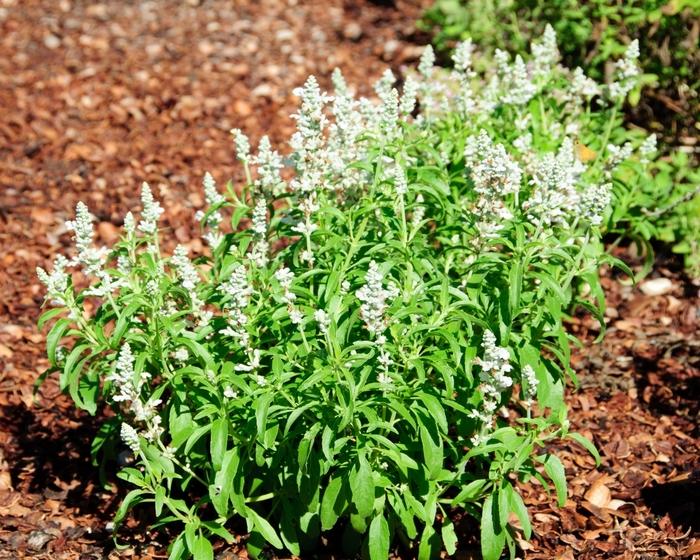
pixel 374 341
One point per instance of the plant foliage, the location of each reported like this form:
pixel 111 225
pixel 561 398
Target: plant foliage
pixel 377 340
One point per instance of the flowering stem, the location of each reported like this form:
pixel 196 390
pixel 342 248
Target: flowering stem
pixel 606 136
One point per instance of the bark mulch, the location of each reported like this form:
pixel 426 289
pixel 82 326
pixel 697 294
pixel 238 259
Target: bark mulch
pixel 97 97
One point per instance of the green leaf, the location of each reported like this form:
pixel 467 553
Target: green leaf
pixel 178 549
pixel 288 532
pixel 202 549
pixel 46 316
pixel 264 528
pixel 219 437
pixel 517 506
pixel 493 537
pixel 554 468
pixel 587 444
pixel 379 538
pixel 470 492
pixel 159 500
pixel 262 407
pixel 362 487
pixel 133 498
pixel 436 410
pixel 449 537
pixel 54 337
pixel 331 504
pixel 432 452
pixel 429 544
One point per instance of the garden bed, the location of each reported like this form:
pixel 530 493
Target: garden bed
pixel 98 98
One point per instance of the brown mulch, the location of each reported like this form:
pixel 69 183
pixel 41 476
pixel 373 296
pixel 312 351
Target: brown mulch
pixel 97 97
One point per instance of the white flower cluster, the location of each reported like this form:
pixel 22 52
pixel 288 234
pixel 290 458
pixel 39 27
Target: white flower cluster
pixel 214 218
pixel 554 196
pixel 494 376
pixel 261 247
pixel 409 96
pixel 310 157
pixel 582 87
pixel 431 92
pixel 151 211
pixel 626 73
pixel 128 386
pixel 515 83
pixel 242 144
pixel 189 280
pixel 495 175
pixel 648 148
pixel 238 290
pixel 530 382
pixel 463 74
pixel 618 154
pixel 594 201
pixel 286 277
pixel 343 145
pixel 375 300
pixel 91 258
pixel 56 281
pixel 545 53
pixel 323 320
pixel 269 164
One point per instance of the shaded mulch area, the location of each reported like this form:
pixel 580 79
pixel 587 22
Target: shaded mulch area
pixel 638 401
pixel 97 97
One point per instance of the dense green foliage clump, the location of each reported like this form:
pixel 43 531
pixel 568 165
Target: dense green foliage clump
pixel 591 34
pixel 376 341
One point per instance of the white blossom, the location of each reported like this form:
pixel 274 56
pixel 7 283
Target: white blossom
pixel 545 53
pixel 647 148
pixel 408 97
pixel 517 88
pixel 384 84
pixel 187 273
pixel 581 86
pixel 238 291
pixel 323 320
pixel 56 281
pixel 129 225
pixel 90 257
pixel 594 200
pixel 626 73
pixel 181 354
pixel 495 379
pixel 427 62
pixel 400 181
pixel 618 154
pixel 212 196
pixel 242 144
pixel 214 219
pixel 493 171
pixel 554 178
pixel 259 225
pixel 531 381
pixel 462 58
pixel 269 165
pixel 127 391
pixel 151 211
pixel 130 437
pixel 418 212
pixel 375 300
